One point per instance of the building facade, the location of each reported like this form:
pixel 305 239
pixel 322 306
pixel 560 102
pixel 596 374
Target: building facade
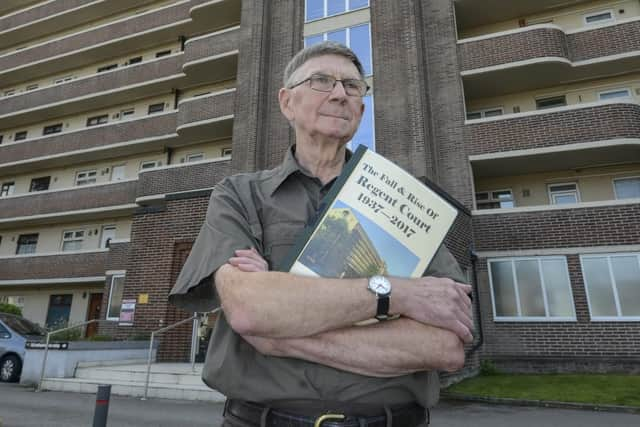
pixel 117 119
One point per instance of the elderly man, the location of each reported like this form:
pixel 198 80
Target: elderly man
pixel 285 350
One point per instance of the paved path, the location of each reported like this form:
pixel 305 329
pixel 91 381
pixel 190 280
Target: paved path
pixel 21 407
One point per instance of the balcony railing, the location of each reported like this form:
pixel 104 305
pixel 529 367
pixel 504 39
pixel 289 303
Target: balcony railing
pixel 205 108
pixel 211 45
pixel 90 265
pixel 72 199
pixel 186 177
pixel 84 143
pixel 556 127
pixel 557 227
pixel 92 92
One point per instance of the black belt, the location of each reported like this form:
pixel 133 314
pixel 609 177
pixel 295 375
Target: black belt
pixel 253 413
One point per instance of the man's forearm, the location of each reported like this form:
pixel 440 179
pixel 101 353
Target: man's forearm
pixel 385 349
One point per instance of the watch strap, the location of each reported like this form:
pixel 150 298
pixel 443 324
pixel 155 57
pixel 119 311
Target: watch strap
pixel 382 312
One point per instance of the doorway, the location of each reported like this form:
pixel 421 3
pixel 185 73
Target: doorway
pixel 93 312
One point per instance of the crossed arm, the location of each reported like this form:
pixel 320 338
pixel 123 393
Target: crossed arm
pixel 312 319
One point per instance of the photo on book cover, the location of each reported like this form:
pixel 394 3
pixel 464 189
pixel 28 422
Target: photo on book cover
pixel 348 244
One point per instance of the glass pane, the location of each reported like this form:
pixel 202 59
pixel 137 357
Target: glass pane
pixel 360 43
pixel 529 288
pixel 474 115
pixel 335 6
pixel 492 113
pixel 315 9
pixel 311 40
pixel 365 133
pixel 74 245
pixel 355 4
pixel 503 288
pixel 558 288
pixel 560 199
pixel 598 281
pixel 339 36
pixel 627 188
pixel 115 299
pixel 615 94
pixel 626 272
pixel 599 17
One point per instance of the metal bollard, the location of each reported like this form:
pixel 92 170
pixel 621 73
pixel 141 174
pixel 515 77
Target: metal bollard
pixel 102 405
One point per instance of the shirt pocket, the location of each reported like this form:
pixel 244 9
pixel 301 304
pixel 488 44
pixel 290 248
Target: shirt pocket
pixel 279 239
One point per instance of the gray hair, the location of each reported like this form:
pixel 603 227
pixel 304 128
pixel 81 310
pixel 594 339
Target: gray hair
pixel 325 48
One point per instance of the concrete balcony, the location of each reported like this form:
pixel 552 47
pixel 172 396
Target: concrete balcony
pixel 207 117
pixel 100 43
pixel 212 57
pixel 97 91
pixel 7 6
pixel 586 224
pixel 54 16
pixel 73 266
pixel 124 138
pixel 210 15
pixel 103 200
pixel 536 56
pixel 181 178
pixel 556 139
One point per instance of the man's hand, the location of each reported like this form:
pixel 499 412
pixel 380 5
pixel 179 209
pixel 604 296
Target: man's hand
pixel 249 260
pixel 439 302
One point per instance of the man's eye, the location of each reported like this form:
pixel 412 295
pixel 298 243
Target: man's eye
pixel 322 79
pixel 351 84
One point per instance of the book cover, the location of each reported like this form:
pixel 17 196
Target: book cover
pixel 377 219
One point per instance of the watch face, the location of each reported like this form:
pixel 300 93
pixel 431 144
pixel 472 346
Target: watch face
pixel 380 285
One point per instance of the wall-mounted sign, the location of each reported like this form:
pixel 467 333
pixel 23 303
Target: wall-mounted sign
pixel 127 310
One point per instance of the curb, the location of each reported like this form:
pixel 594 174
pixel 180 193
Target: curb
pixel 541 403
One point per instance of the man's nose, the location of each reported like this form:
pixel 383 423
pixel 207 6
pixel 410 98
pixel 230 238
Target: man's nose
pixel 338 90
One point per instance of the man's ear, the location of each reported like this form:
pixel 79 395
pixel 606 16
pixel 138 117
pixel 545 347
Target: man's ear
pixel 284 99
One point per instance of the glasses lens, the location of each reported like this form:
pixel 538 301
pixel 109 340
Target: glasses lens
pixel 322 83
pixel 354 87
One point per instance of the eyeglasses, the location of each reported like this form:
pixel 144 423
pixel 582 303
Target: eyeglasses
pixel 324 83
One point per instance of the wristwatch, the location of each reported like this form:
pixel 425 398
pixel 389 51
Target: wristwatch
pixel 381 286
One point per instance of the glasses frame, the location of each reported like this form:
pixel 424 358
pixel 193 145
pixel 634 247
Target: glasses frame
pixel 335 82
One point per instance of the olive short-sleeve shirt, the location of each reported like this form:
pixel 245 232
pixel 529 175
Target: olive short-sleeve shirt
pixel 267 210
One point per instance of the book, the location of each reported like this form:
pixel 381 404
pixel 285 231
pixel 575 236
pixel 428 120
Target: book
pixel 376 219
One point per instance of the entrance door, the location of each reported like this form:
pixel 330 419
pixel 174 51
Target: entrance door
pixel 108 234
pixel 95 303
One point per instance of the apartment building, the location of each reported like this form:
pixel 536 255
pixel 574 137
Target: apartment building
pixel 117 119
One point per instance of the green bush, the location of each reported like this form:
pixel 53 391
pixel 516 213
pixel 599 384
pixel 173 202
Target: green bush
pixel 487 368
pixel 74 334
pixel 10 308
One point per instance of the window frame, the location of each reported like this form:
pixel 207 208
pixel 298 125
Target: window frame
pixel 189 157
pixel 226 151
pixel 109 302
pixel 483 112
pixel 35 244
pixel 612 17
pixel 52 129
pixel 608 91
pixel 9 187
pixel 106 68
pixel 324 10
pixel 543 98
pixel 551 193
pixel 31 190
pixel 102 119
pixel 156 105
pixel 519 318
pixel 162 53
pixel 21 135
pixel 491 199
pixel 87 172
pixel 616 297
pixel 615 191
pixel 143 163
pixel 77 235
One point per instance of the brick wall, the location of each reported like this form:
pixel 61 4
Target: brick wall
pixel 596 123
pixel 593 226
pixel 206 108
pixel 53 266
pixel 612 40
pixel 182 178
pixel 212 45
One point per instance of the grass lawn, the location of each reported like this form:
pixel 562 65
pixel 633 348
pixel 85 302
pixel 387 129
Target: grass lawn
pixel 596 389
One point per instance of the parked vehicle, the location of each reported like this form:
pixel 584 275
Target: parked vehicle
pixel 15 331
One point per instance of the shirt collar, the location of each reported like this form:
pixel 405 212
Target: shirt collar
pixel 290 166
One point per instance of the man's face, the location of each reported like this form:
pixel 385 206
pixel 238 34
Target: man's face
pixel 323 115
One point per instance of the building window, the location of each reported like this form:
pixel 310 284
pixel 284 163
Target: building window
pixel 358 38
pixel 115 297
pixel 32 87
pixel 118 172
pixel 563 193
pixel 7 188
pixel 107 68
pixel 135 60
pixel 613 94
pixel 163 53
pixel 108 234
pixel 149 164
pixel 196 157
pixel 48 130
pixel 1 137
pixel 488 112
pixel 612 282
pixel 531 289
pixel 127 112
pixel 365 135
pixel 72 240
pixel 63 80
pixel 317 9
pixel 226 152
pixel 27 244
pixel 598 18
pixel 9 92
pixel 86 177
pixel 59 310
pixel 627 188
pixel 40 184
pixel 494 199
pixel 98 120
pixel 551 102
pixel 20 136
pixel 156 108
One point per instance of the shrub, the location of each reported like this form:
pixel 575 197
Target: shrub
pixel 10 308
pixel 487 368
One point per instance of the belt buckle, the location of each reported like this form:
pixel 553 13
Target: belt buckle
pixel 325 417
